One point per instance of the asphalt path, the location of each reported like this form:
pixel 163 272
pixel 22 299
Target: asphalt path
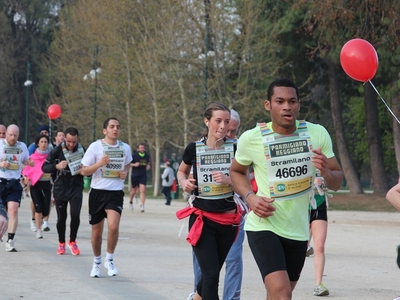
pixel 154 263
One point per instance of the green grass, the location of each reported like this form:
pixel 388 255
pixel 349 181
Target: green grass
pixel 339 201
pixel 363 202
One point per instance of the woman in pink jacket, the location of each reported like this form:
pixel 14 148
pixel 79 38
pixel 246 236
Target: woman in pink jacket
pixel 40 182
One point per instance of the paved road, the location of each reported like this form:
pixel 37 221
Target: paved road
pixel 154 263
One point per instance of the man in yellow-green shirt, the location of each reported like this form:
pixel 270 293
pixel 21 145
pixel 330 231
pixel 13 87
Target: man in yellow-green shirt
pixel 285 154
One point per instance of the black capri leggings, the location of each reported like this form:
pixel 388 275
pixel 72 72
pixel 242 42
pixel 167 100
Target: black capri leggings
pixel 211 250
pixel 41 198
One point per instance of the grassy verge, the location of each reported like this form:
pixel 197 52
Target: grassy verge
pixel 339 201
pixel 364 202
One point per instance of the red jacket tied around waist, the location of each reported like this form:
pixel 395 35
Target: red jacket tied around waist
pixel 221 218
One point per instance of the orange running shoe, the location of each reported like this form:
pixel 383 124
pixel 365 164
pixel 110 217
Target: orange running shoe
pixel 74 248
pixel 61 248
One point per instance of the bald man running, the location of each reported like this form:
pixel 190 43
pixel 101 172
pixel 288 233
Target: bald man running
pixel 13 154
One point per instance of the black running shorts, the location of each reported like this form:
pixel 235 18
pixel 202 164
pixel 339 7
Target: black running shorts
pixel 135 181
pixel 274 253
pixel 100 200
pixel 318 214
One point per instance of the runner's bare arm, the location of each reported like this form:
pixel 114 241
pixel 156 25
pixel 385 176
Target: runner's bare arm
pixel 329 169
pixel 261 206
pixel 89 170
pixel 3 220
pixel 393 196
pixel 187 184
pixel 124 172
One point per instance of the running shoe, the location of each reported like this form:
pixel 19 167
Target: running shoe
pixel 45 226
pixel 96 270
pixel 33 225
pixel 321 290
pixel 136 199
pixel 10 247
pixel 131 206
pixel 39 234
pixel 310 251
pixel 112 269
pixel 141 208
pixel 398 256
pixel 191 296
pixel 74 248
pixel 61 249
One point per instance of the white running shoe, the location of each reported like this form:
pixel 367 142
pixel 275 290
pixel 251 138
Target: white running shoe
pixel 96 270
pixel 33 225
pixel 141 208
pixel 10 246
pixel 131 206
pixel 39 234
pixel 191 296
pixel 321 290
pixel 310 251
pixel 45 226
pixel 112 269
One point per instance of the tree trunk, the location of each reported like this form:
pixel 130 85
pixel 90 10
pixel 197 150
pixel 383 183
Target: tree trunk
pixel 184 113
pixel 379 178
pixel 349 171
pixel 396 130
pixel 157 144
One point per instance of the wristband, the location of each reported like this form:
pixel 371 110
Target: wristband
pixel 247 195
pixel 179 180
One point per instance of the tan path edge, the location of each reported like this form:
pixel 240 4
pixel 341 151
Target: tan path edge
pixel 154 263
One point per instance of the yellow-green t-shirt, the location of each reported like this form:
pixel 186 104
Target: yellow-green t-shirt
pixel 291 218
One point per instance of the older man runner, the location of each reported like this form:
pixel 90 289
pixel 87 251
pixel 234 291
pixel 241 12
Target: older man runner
pixel 13 155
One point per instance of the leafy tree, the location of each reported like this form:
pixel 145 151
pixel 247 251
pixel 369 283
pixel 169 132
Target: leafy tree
pixel 26 32
pixel 334 23
pixel 163 62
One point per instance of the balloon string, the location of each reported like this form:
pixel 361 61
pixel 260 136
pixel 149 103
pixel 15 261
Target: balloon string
pixel 394 116
pixel 49 129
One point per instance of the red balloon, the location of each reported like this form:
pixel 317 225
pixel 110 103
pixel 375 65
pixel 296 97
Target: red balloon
pixel 54 111
pixel 359 60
